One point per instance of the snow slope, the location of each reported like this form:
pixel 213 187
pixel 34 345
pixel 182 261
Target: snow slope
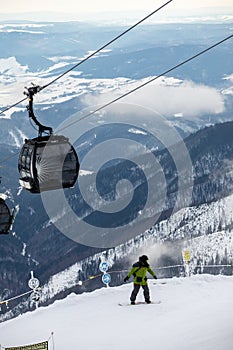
pixel 195 313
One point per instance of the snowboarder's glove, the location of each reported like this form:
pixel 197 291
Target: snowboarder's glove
pixel 126 279
pixel 155 277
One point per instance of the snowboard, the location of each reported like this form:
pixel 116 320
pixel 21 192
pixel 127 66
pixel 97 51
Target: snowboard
pixel 140 303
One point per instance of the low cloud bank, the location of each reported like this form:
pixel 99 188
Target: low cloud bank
pixel 169 97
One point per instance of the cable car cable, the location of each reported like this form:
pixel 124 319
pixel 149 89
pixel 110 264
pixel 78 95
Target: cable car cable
pixel 148 82
pixel 15 104
pixel 92 54
pixel 108 43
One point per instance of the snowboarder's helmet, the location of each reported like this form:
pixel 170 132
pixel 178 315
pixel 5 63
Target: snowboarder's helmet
pixel 144 258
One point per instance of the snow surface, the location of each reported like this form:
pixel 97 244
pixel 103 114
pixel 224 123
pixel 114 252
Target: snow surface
pixel 195 313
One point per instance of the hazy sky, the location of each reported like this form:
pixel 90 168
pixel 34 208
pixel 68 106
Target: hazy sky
pixel 79 8
pixel 102 5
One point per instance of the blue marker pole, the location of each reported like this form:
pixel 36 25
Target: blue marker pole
pixel 106 278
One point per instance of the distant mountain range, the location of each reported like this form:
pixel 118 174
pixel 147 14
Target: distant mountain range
pixel 39 52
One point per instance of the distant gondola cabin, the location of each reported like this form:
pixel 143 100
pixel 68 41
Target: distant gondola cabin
pixel 5 217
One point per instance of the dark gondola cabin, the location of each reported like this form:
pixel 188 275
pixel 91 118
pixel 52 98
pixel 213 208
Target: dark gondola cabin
pixel 5 217
pixel 47 162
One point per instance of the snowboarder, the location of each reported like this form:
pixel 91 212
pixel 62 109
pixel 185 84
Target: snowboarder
pixel 139 270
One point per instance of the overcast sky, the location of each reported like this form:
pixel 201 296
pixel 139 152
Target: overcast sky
pixel 94 7
pixel 102 5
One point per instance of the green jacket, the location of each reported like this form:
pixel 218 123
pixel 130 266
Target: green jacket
pixel 139 272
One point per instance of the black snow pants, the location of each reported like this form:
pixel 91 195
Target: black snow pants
pixel 136 290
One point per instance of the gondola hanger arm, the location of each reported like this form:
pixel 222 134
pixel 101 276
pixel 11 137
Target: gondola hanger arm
pixel 30 92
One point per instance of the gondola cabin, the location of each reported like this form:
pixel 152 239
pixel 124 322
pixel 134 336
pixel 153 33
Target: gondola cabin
pixel 6 217
pixel 47 163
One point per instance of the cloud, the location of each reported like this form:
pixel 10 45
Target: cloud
pixel 168 96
